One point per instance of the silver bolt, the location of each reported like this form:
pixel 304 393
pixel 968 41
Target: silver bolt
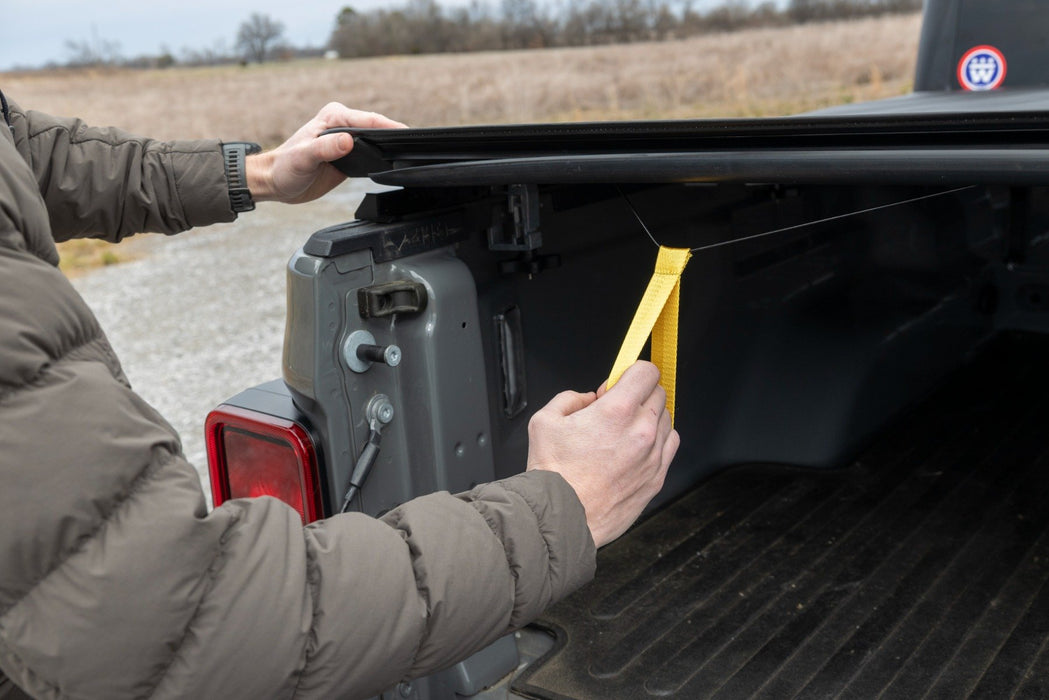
pixel 379 408
pixel 392 355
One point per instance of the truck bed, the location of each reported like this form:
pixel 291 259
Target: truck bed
pixel 920 570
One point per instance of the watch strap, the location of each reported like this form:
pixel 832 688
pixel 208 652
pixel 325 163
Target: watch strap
pixel 233 155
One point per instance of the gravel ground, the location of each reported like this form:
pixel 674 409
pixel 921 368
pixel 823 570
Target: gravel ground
pixel 199 317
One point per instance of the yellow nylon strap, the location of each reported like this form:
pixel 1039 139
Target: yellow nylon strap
pixel 657 315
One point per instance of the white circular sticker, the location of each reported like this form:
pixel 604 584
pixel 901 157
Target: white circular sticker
pixel 981 68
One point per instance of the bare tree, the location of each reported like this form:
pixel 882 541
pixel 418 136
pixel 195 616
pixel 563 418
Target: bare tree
pixel 258 35
pixel 95 51
pixel 216 54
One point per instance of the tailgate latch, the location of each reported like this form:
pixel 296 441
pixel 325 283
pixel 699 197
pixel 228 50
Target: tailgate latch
pixel 389 298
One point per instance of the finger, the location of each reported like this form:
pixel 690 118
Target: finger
pixel 665 425
pixel 331 147
pixel 670 448
pixel 336 114
pixel 379 121
pixel 568 402
pixel 602 389
pixel 656 401
pixel 637 382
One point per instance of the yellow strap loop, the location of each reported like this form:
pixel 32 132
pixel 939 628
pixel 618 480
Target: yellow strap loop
pixel 657 315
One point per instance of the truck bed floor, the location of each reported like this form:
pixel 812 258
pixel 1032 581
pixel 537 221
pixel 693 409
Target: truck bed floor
pixel 921 570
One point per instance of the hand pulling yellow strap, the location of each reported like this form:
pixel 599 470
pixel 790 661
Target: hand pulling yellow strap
pixel 657 315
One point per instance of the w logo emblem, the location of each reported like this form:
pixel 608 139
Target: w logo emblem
pixel 981 68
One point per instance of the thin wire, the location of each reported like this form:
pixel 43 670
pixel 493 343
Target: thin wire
pixel 795 226
pixel 636 215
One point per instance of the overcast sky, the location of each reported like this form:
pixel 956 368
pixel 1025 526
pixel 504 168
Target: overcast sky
pixel 34 32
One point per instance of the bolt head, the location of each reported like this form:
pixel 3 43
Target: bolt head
pixel 392 355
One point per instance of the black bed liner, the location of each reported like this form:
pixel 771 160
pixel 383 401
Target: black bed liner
pixel 918 571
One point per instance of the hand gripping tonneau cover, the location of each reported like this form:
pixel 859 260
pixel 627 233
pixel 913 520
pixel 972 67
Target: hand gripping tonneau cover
pixel 946 139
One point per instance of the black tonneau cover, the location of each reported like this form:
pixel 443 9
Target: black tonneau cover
pixel 937 138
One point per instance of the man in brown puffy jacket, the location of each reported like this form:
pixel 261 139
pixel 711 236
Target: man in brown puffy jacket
pixel 116 581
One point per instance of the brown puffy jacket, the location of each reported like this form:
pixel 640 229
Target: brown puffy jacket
pixel 116 581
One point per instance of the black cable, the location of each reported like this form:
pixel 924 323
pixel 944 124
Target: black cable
pixel 364 465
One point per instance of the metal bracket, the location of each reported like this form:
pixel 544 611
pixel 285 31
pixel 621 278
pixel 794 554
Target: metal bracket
pixel 517 228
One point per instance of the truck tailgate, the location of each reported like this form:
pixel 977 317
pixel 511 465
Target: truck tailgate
pixel 918 571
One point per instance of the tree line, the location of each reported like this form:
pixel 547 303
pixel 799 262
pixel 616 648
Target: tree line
pixel 259 38
pixel 425 26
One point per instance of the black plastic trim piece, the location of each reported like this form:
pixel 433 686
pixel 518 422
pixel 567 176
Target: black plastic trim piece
pixel 398 204
pixel 388 241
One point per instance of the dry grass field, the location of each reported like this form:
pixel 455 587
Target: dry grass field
pixel 760 72
pixel 750 73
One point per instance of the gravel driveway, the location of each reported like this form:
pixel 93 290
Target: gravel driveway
pixel 199 317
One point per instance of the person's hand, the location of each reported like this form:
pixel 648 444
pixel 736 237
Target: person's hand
pixel 613 447
pixel 299 170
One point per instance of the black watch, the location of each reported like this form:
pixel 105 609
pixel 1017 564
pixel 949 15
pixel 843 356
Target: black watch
pixel 233 154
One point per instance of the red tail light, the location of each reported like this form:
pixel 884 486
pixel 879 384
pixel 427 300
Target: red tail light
pixel 253 454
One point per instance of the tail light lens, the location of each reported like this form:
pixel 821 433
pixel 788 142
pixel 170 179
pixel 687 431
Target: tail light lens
pixel 253 454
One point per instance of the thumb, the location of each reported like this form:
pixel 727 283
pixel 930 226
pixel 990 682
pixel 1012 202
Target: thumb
pixel 568 402
pixel 331 147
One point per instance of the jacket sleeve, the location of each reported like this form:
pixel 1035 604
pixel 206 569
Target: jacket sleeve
pixel 116 581
pixel 107 183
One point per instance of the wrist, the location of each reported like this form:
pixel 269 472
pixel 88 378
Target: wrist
pixel 259 174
